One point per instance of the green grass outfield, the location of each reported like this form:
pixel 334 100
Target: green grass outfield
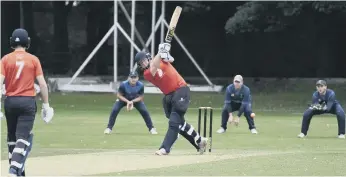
pixel 74 143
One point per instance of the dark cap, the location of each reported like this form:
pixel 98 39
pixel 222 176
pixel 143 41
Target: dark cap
pixel 133 74
pixel 321 83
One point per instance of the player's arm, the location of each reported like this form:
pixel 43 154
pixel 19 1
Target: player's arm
pixel 228 100
pixel 155 64
pixel 314 99
pixel 121 93
pixel 43 87
pixel 245 102
pixel 47 111
pixel 41 82
pixel 141 95
pixel 331 101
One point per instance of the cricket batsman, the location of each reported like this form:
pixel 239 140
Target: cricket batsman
pixel 130 94
pixel 237 98
pixel 163 75
pixel 323 101
pixel 19 69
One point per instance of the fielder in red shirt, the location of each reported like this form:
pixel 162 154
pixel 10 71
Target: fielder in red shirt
pixel 160 72
pixel 19 69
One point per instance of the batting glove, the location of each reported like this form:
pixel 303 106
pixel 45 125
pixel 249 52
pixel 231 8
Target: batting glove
pixel 164 47
pixel 47 112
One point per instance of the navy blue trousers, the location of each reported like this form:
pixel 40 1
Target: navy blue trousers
pixel 175 106
pixel 336 110
pixel 20 114
pixel 235 107
pixel 141 108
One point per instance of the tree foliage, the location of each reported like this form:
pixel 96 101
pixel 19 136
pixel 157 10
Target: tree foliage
pixel 196 7
pixel 273 16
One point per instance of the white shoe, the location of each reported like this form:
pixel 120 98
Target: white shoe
pixel 341 136
pixel 301 135
pixel 221 130
pixel 161 151
pixel 107 131
pixel 202 145
pixel 254 131
pixel 153 131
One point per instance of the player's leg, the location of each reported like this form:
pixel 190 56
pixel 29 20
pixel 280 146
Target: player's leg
pixel 24 135
pixel 249 119
pixel 142 109
pixel 11 121
pixel 340 115
pixel 180 102
pixel 307 116
pixel 190 134
pixel 165 146
pixel 118 105
pixel 167 107
pixel 224 119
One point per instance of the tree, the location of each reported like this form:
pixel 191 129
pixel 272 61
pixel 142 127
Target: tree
pixel 10 20
pixel 273 16
pixel 61 12
pixel 60 39
pixel 304 35
pixel 29 25
pixel 98 24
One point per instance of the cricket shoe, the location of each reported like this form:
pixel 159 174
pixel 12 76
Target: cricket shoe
pixel 107 131
pixel 153 131
pixel 221 130
pixel 301 135
pixel 202 145
pixel 254 131
pixel 12 173
pixel 161 151
pixel 341 136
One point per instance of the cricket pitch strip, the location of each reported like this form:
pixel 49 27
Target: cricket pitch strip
pixel 122 160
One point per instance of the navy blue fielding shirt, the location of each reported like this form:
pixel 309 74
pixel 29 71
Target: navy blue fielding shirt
pixel 241 95
pixel 131 92
pixel 328 99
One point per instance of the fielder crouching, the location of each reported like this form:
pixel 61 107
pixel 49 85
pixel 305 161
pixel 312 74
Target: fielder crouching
pixel 323 101
pixel 237 98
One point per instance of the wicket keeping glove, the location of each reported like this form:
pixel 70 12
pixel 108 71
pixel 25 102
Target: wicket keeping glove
pixel 47 112
pixel 318 107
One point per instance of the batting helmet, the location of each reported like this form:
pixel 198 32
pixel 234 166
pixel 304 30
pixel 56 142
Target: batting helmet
pixel 140 56
pixel 21 38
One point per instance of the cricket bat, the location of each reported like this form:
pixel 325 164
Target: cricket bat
pixel 173 24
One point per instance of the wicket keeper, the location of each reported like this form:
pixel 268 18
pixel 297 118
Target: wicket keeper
pixel 160 72
pixel 237 98
pixel 130 94
pixel 323 101
pixel 19 69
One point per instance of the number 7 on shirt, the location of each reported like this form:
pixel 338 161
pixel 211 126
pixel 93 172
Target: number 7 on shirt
pixel 20 65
